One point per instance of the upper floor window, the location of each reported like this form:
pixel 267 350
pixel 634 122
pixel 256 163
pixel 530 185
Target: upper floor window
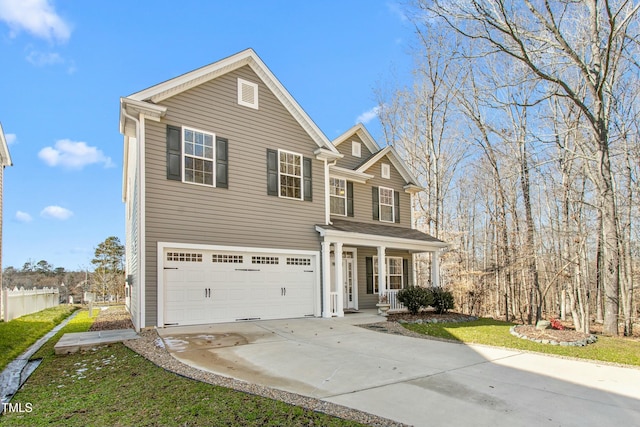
pixel 386 204
pixel 289 175
pixel 198 157
pixel 338 193
pixel 356 149
pixel 290 172
pixel 386 171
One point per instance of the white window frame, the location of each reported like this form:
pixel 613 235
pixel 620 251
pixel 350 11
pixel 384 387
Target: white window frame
pixel 376 289
pixel 356 149
pixel 386 171
pixel 337 196
pixel 380 204
pixel 254 86
pixel 281 174
pixel 193 156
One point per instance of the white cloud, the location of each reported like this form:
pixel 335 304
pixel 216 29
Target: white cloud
pixel 73 155
pixel 23 216
pixel 367 116
pixel 10 138
pixel 37 17
pixel 56 212
pixel 40 59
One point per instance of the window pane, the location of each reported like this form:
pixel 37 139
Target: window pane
pixel 199 150
pixel 395 282
pixel 386 213
pixel 208 152
pixel 199 138
pixel 337 205
pixel 208 140
pixel 188 135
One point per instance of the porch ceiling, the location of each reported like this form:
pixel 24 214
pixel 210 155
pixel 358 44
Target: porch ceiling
pixel 365 234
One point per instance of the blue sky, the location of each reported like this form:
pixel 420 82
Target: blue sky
pixel 65 64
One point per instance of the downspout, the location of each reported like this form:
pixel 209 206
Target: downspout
pixel 327 197
pixel 139 213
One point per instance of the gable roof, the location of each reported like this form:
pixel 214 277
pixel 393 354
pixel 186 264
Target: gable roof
pixel 5 158
pixel 394 158
pixel 248 57
pixel 364 135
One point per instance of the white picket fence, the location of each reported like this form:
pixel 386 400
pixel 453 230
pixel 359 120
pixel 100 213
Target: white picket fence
pixel 19 302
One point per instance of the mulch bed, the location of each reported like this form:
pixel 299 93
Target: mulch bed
pixel 564 335
pixel 429 315
pixel 115 317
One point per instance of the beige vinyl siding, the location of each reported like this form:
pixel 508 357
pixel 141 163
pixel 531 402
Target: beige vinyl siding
pixel 349 161
pixel 363 203
pixel 366 300
pixel 242 215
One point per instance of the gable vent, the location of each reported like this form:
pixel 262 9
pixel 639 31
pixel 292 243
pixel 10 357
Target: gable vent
pixel 247 94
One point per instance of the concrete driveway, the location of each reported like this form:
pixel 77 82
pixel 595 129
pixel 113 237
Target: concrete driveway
pixel 414 381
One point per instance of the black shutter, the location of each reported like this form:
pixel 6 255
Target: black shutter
pixel 349 198
pixel 369 268
pixel 174 153
pixel 405 272
pixel 222 163
pixel 396 205
pixel 307 168
pixel 376 204
pixel 272 172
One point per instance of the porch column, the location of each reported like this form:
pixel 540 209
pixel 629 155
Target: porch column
pixel 326 279
pixel 382 271
pixel 435 269
pixel 339 280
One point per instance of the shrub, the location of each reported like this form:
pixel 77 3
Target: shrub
pixel 442 300
pixel 414 298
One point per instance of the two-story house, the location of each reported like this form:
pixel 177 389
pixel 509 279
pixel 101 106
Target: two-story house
pixel 237 205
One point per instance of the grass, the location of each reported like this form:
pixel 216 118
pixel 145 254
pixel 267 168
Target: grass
pixel 113 385
pixel 17 335
pixel 496 333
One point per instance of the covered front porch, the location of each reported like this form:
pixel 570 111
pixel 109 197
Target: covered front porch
pixel 377 261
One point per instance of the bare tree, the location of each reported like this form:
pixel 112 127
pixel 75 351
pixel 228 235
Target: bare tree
pixel 578 49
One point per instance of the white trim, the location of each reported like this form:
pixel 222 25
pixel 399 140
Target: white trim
pixel 395 160
pixel 163 246
pixel 338 279
pixel 5 157
pixel 364 135
pixel 326 274
pixel 349 174
pixel 385 170
pixel 301 175
pixel 356 149
pixel 183 155
pixel 174 86
pixel 359 239
pixel 393 207
pixel 254 87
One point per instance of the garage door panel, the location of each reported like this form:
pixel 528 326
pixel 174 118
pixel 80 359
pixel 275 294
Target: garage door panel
pixel 218 286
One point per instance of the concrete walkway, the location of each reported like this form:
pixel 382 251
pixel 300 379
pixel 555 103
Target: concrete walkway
pixel 74 342
pixel 411 380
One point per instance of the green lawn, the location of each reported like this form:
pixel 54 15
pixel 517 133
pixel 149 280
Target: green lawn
pixel 115 386
pixel 495 332
pixel 17 335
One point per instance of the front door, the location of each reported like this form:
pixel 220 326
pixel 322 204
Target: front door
pixel 347 271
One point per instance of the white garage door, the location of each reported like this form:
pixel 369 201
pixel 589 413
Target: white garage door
pixel 202 286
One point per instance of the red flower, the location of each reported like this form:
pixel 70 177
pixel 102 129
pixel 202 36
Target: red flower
pixel 555 324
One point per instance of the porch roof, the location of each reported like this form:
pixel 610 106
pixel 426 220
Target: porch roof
pixel 379 235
